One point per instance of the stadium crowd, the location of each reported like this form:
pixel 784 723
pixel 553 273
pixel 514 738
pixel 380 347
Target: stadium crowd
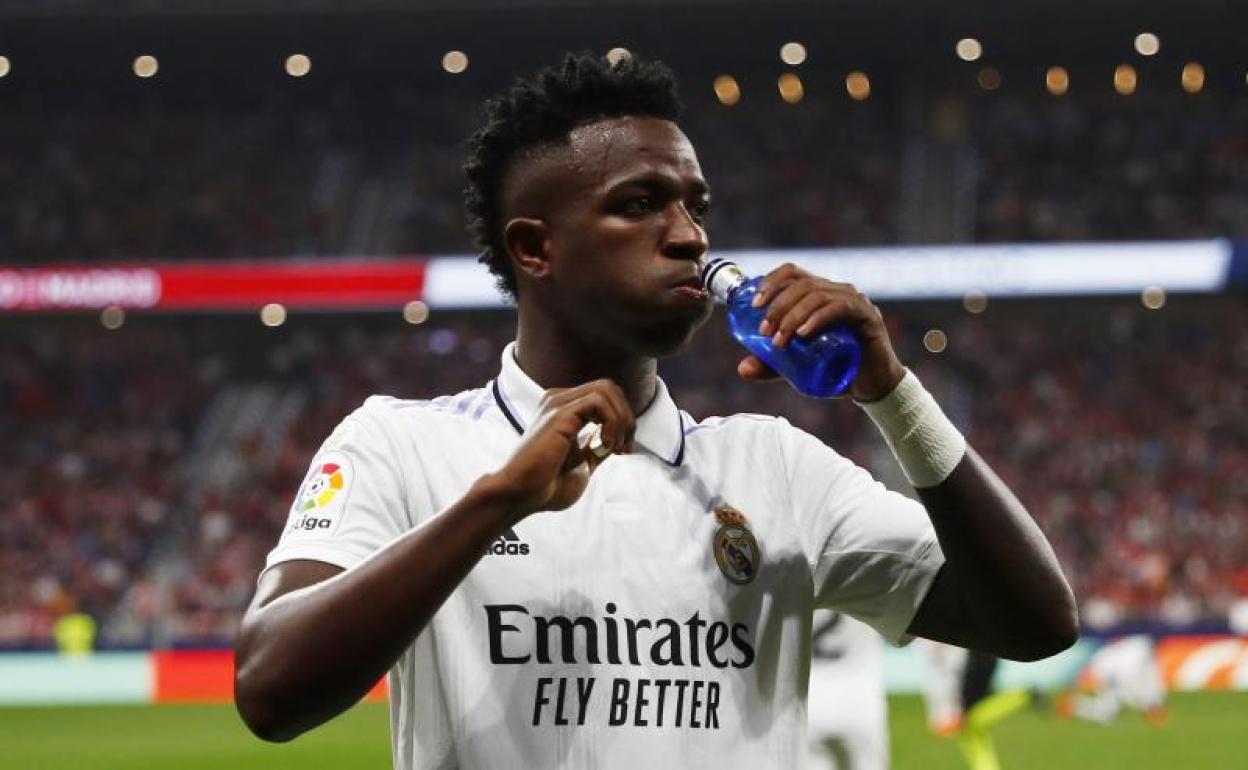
pixel 96 427
pixel 378 173
pixel 1121 429
pixel 1139 168
pixel 1123 433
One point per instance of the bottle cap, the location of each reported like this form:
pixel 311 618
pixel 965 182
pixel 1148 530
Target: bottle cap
pixel 719 276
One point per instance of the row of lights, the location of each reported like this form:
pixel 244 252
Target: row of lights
pixel 970 49
pixel 858 85
pixel 416 312
pixel 936 340
pixel 1126 79
pixel 297 65
pixel 273 314
pixel 790 85
pixel 1057 79
pixel 792 90
pixel 728 90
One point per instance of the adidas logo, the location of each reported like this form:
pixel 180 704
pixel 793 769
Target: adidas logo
pixel 509 544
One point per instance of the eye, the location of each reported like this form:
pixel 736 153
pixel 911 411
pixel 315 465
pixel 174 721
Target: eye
pixel 638 206
pixel 700 211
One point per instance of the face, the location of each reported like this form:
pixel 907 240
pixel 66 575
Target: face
pixel 625 236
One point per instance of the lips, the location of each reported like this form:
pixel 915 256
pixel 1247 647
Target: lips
pixel 689 291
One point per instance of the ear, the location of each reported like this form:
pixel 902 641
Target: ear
pixel 528 243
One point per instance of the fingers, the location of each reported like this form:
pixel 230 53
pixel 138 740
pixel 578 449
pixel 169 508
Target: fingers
pixel 775 281
pixel 600 401
pixel 798 313
pixel 801 304
pixel 752 368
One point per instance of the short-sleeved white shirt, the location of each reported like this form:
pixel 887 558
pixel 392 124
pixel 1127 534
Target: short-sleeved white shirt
pixel 664 620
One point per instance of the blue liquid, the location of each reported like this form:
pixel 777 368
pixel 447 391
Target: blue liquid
pixel 821 366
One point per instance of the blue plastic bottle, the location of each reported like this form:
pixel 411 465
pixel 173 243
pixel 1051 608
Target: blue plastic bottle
pixel 821 366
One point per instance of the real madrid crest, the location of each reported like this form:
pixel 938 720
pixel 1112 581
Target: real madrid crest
pixel 736 550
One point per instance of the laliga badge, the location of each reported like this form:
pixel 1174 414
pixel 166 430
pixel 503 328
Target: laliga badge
pixel 322 496
pixel 736 550
pixel 321 487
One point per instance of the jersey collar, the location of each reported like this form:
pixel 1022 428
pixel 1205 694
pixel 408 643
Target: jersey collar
pixel 660 428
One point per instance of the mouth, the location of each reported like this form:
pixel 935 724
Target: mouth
pixel 690 294
pixel 690 290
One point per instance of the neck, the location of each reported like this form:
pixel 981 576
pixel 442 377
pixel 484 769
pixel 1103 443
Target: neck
pixel 555 358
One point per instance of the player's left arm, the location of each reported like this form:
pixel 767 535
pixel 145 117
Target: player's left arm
pixel 1001 589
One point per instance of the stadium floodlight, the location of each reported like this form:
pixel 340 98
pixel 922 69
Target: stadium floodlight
pixel 792 53
pixel 273 314
pixel 935 340
pixel 858 85
pixel 455 62
pixel 1125 79
pixel 145 66
pixel 791 88
pixel 415 312
pixel 1057 80
pixel 112 317
pixel 727 90
pixel 1193 77
pixel 969 49
pixel 298 65
pixel 1147 44
pixel 989 79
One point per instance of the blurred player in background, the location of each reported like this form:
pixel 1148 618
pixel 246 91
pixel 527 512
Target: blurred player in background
pixel 957 691
pixel 1121 674
pixel 847 708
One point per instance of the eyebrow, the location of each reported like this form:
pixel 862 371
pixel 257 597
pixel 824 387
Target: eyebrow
pixel 653 179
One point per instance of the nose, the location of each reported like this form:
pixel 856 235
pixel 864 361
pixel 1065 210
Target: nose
pixel 684 237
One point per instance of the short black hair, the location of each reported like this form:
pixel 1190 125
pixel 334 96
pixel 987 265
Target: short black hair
pixel 542 110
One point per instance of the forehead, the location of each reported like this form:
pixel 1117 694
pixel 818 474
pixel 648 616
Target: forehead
pixel 607 151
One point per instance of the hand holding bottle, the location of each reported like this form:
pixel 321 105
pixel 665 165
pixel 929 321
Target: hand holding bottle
pixel 796 304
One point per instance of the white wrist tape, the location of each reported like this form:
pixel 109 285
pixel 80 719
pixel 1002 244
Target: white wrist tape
pixel 920 435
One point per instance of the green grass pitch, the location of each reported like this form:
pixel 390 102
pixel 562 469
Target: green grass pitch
pixel 1206 730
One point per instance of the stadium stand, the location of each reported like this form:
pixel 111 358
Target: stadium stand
pixel 322 180
pixel 148 469
pixel 152 501
pixel 1155 166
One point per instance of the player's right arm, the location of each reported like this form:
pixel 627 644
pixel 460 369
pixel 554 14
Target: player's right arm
pixel 316 637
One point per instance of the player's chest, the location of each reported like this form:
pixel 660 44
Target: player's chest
pixel 648 533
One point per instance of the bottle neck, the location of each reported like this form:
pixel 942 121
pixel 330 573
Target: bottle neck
pixel 722 278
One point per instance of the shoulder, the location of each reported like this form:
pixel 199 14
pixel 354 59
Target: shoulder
pixel 738 427
pixel 761 435
pixel 455 411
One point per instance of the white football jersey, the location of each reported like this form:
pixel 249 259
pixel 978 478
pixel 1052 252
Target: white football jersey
pixel 848 710
pixel 664 620
pixel 942 684
pixel 1127 667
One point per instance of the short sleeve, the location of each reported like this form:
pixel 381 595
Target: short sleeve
pixel 352 500
pixel 872 552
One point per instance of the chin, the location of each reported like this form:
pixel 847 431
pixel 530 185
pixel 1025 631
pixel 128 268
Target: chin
pixel 661 341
